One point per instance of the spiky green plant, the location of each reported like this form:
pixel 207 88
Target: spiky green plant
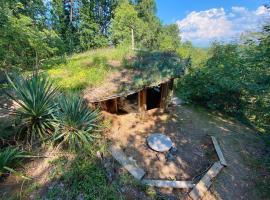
pixel 77 122
pixel 11 158
pixel 35 97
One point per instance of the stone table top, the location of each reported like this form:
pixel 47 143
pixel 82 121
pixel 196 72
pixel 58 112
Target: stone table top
pixel 159 142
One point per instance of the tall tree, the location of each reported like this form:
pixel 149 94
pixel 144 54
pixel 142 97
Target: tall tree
pixel 125 19
pixel 152 25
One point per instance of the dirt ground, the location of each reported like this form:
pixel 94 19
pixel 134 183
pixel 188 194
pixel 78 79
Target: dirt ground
pixel 192 153
pixel 189 128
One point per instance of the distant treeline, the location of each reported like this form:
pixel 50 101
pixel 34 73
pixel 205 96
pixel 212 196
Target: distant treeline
pixel 32 31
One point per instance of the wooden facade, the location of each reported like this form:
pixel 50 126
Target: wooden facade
pixel 112 105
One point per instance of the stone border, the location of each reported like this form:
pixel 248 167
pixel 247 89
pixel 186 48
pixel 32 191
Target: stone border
pixel 198 190
pixel 168 184
pixel 120 156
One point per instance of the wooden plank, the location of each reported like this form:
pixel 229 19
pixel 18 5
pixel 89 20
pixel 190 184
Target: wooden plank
pixel 119 155
pixel 142 101
pixel 203 185
pixel 168 184
pixel 164 95
pixel 219 152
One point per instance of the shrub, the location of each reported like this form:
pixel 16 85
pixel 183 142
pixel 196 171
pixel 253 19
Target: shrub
pixel 10 158
pixel 36 112
pixel 76 122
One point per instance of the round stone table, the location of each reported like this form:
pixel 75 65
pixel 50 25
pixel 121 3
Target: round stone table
pixel 159 142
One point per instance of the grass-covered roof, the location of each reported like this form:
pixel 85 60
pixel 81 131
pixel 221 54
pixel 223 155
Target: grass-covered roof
pixel 104 73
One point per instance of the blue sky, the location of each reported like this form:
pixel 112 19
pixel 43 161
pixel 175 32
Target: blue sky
pixel 205 21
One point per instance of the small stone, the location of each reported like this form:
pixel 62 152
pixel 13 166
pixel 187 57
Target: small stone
pixel 170 157
pixel 173 150
pixel 99 155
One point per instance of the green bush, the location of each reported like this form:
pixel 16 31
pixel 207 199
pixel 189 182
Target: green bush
pixel 35 97
pixel 76 122
pixel 234 79
pixel 10 158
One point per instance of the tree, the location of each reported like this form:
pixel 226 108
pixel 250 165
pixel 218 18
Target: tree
pixel 125 19
pixel 147 13
pixel 169 38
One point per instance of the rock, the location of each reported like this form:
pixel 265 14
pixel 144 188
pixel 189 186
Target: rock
pixel 170 157
pixel 176 101
pixel 173 150
pixel 99 155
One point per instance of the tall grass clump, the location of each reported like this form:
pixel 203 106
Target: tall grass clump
pixel 35 97
pixel 76 123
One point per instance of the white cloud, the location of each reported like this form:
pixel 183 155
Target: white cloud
pixel 204 27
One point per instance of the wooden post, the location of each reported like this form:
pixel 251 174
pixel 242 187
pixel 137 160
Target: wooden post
pixel 164 95
pixel 132 39
pixel 142 101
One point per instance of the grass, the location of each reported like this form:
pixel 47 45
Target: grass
pixel 84 69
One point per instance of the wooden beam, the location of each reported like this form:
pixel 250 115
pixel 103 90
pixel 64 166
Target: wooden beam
pixel 168 184
pixel 204 184
pixel 120 156
pixel 164 95
pixel 142 101
pixel 219 152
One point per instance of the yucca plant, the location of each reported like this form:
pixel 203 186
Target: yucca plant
pixel 77 122
pixel 11 158
pixel 35 97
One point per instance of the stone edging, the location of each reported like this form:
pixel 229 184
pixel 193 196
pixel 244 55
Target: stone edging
pixel 198 190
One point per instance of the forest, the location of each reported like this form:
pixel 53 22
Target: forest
pixel 52 50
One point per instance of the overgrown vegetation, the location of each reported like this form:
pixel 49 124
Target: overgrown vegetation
pixel 73 44
pixel 235 79
pixel 85 69
pixel 76 123
pixel 10 158
pixel 33 33
pixel 35 97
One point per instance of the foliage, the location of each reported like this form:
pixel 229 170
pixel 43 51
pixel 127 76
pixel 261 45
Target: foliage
pixel 151 26
pixel 36 112
pixel 22 43
pixel 198 55
pixel 85 69
pixel 76 122
pixel 169 38
pixel 10 158
pixel 83 176
pixel 234 79
pixel 156 66
pixel 125 19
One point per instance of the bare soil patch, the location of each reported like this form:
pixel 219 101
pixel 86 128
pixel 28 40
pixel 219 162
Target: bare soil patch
pixel 191 156
pixel 189 128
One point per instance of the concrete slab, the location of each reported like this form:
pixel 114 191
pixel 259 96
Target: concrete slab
pixel 120 156
pixel 168 184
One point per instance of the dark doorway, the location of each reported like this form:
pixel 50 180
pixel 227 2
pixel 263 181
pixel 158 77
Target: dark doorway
pixel 153 97
pixel 128 104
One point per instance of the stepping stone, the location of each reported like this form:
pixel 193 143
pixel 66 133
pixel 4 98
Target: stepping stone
pixel 159 142
pixel 168 184
pixel 120 156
